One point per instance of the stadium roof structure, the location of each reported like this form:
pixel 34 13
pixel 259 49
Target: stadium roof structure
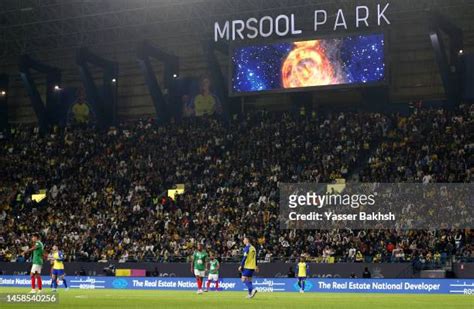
pixel 52 31
pixel 40 25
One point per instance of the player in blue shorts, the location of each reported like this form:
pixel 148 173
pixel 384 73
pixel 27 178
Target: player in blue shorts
pixel 248 266
pixel 58 268
pixel 302 270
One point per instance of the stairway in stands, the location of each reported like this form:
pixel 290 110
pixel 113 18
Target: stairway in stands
pixel 362 160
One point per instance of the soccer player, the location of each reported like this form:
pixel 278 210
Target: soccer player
pixel 302 270
pixel 198 266
pixel 58 268
pixel 248 266
pixel 213 272
pixel 38 251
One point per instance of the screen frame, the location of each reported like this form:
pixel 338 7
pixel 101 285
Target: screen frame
pixel 241 44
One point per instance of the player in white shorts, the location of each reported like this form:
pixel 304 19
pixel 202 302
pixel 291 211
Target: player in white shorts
pixel 213 272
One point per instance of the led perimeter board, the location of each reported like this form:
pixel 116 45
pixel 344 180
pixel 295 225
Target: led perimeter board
pixel 299 65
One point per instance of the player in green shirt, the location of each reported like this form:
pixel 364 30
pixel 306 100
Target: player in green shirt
pixel 213 272
pixel 37 260
pixel 199 266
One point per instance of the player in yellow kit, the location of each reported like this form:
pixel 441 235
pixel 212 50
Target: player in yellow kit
pixel 302 270
pixel 248 266
pixel 58 268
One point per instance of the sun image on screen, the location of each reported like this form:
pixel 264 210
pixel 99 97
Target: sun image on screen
pixel 325 62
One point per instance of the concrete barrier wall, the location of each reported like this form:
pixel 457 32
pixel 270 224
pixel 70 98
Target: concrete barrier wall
pixel 229 270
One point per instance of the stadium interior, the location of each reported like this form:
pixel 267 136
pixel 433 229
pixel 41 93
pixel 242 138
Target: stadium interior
pixel 133 130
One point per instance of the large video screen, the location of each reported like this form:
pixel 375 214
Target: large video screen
pixel 284 66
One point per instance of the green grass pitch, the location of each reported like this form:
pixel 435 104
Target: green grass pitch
pixel 188 299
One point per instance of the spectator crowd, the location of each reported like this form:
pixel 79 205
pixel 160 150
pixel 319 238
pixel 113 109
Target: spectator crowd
pixel 106 192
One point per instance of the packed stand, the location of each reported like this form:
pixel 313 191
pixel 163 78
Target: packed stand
pixel 106 192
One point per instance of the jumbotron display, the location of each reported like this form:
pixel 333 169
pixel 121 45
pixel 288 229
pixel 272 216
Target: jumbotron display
pixel 324 62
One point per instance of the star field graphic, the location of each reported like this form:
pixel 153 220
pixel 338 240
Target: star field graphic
pixel 350 60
